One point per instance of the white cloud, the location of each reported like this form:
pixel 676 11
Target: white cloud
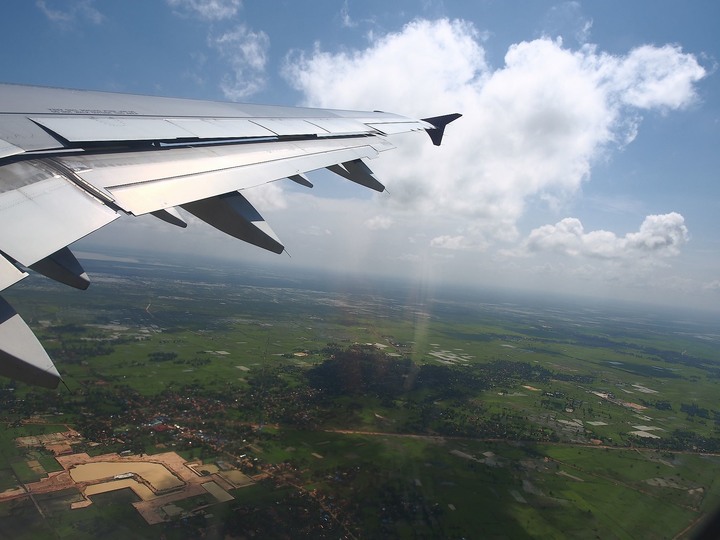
pixel 246 52
pixel 531 129
pixel 266 197
pixel 345 18
pixel 448 242
pixel 713 285
pixel 659 236
pixel 209 10
pixel 663 234
pixel 70 12
pixel 378 223
pixel 654 77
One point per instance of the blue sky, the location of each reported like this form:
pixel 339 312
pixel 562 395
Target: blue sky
pixel 585 163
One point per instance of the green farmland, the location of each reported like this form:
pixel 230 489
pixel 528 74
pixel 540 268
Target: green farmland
pixel 368 412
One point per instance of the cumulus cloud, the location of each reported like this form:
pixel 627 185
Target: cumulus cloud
pixel 69 12
pixel 653 77
pixel 531 129
pixel 209 10
pixel 659 236
pixel 246 53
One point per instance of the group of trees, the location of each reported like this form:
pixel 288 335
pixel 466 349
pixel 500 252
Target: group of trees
pixel 437 399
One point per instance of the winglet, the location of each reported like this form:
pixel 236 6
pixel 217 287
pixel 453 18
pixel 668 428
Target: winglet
pixel 436 133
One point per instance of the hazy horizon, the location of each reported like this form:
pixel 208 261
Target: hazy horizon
pixel 219 268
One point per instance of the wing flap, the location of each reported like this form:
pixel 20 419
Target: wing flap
pixel 142 182
pixel 46 215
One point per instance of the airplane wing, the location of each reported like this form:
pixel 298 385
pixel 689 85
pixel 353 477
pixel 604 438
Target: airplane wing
pixel 72 161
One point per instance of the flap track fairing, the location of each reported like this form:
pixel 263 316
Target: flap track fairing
pixel 21 356
pixel 356 171
pixel 62 266
pixel 170 215
pixel 301 179
pixel 234 215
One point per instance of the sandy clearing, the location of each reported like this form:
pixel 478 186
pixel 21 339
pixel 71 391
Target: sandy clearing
pixel 142 491
pixel 156 474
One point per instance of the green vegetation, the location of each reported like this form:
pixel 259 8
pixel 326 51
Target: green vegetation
pixel 367 414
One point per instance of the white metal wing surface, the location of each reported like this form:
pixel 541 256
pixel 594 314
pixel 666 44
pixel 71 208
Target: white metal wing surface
pixel 73 161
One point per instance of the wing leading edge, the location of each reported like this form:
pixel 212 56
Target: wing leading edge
pixel 73 161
